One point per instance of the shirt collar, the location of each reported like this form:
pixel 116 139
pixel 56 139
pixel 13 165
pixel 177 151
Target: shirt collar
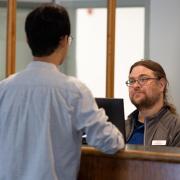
pixel 41 64
pixel 164 109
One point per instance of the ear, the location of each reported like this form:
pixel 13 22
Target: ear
pixel 63 42
pixel 162 84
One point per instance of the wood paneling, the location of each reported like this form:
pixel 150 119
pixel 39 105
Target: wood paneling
pixel 11 38
pixel 132 163
pixel 110 48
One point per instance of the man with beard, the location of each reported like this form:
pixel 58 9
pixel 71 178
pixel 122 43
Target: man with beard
pixel 155 121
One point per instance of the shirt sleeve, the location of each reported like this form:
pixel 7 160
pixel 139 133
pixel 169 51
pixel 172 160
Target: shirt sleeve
pixel 93 121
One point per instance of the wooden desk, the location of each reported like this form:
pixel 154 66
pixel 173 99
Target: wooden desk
pixel 132 163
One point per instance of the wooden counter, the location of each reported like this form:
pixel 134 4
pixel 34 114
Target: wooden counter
pixel 132 163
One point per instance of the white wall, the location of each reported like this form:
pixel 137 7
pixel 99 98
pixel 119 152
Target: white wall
pixel 3 13
pixel 165 41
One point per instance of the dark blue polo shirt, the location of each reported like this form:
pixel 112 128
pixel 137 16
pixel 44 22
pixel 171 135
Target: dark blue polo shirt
pixel 137 136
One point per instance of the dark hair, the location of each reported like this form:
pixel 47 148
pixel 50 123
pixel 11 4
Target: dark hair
pixel 159 73
pixel 45 26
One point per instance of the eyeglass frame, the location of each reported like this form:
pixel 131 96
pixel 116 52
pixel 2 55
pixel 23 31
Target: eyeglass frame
pixel 141 80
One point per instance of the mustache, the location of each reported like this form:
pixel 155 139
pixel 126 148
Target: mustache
pixel 138 91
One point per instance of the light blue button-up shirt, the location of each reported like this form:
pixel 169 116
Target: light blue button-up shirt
pixel 42 116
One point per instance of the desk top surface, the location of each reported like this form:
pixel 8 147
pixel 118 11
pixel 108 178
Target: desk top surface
pixel 153 153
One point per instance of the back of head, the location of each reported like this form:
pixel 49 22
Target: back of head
pixel 159 73
pixel 45 26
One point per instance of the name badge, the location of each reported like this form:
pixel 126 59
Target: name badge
pixel 158 142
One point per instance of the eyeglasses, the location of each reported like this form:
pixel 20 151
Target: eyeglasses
pixel 141 81
pixel 70 39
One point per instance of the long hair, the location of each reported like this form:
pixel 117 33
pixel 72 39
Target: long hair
pixel 159 73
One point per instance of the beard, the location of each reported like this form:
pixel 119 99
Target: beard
pixel 146 101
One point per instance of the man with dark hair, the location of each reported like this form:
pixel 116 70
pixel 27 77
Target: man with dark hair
pixel 43 113
pixel 155 121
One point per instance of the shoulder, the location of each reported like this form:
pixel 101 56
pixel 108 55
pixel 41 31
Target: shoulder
pixel 170 120
pixel 172 125
pixel 76 85
pixel 75 82
pixel 8 80
pixel 76 92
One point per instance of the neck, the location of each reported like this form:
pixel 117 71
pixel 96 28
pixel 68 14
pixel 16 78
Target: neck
pixel 149 112
pixel 54 58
